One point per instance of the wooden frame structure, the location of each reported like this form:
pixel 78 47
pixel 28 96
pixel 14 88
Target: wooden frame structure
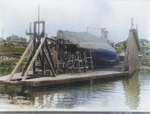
pixel 132 50
pixel 40 53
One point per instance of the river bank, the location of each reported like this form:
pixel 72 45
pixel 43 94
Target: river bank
pixel 10 53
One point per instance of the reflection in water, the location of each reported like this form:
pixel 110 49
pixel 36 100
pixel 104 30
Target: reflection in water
pixel 75 95
pixel 67 97
pixel 116 94
pixel 131 88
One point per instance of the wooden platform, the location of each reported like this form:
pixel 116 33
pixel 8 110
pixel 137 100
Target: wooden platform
pixel 65 78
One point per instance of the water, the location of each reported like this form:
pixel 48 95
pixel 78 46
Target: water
pixel 129 93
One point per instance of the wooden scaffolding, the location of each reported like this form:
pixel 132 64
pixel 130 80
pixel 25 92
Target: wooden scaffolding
pixel 40 55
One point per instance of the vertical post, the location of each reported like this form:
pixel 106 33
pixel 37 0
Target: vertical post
pixel 43 59
pixel 30 27
pixel 87 30
pixel 38 20
pixel 132 23
pixel 33 54
pixel 126 57
pixel 137 28
pixel 130 54
pixel 30 31
pixel 34 46
pixel 91 61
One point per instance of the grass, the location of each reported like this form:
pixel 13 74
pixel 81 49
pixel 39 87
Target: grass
pixel 11 50
pixel 9 64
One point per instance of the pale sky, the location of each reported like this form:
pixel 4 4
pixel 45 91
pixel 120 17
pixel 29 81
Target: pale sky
pixel 76 15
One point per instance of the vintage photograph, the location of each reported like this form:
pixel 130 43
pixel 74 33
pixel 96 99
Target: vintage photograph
pixel 75 55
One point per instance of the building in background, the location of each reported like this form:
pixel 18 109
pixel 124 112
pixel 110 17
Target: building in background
pixel 15 38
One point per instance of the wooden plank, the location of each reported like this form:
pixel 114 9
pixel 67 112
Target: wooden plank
pixel 135 33
pixel 131 54
pixel 30 58
pixel 27 64
pixel 126 54
pixel 134 52
pixel 15 77
pixel 72 78
pixel 43 61
pixel 49 62
pixel 33 59
pixel 65 78
pixel 49 53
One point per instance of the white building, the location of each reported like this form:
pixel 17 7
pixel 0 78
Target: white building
pixel 15 38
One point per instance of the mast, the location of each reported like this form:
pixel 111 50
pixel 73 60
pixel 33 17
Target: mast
pixel 132 23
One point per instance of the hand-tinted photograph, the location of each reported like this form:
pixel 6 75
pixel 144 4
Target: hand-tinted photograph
pixel 75 55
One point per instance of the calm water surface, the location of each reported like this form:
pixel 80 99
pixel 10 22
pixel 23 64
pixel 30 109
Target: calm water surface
pixel 111 94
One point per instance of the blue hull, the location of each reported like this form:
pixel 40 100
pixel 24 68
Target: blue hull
pixel 105 55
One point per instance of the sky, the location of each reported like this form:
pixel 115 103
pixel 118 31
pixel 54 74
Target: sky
pixel 76 15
